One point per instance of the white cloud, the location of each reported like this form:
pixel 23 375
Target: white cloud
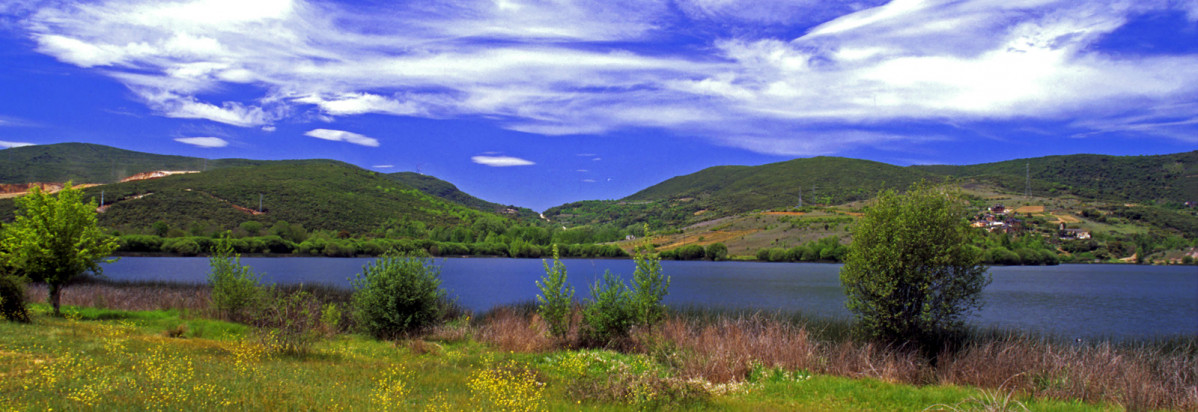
pixel 501 161
pixel 343 136
pixel 187 107
pixel 7 145
pixel 589 180
pixel 383 166
pixel 567 67
pixel 206 142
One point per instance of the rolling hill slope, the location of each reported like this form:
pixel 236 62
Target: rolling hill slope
pixel 90 163
pixel 445 190
pixel 319 194
pixel 727 190
pixel 1163 178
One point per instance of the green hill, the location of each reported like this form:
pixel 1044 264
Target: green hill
pixel 445 190
pixel 318 194
pixel 828 180
pixel 91 163
pixel 1171 178
pixel 727 190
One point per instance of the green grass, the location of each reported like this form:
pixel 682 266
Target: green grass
pixel 119 360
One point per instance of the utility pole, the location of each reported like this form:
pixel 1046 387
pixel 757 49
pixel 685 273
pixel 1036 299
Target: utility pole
pixel 1027 188
pixel 259 203
pixel 101 198
pixel 800 195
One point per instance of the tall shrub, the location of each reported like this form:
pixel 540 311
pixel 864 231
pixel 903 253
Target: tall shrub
pixel 397 295
pixel 556 298
pixel 236 292
pixel 12 298
pixel 649 287
pixel 609 315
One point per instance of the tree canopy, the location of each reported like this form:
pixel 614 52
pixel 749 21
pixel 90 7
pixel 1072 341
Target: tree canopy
pixel 55 239
pixel 910 274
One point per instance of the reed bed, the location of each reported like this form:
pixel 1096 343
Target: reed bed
pixel 184 297
pixel 726 348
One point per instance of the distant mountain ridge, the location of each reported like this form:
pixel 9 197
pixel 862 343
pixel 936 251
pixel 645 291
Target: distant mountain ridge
pixel 92 163
pixel 318 194
pixel 726 190
pixel 1161 178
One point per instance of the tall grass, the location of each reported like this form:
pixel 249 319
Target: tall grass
pixel 728 346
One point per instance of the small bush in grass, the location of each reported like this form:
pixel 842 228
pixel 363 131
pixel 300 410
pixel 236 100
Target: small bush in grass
pixel 330 318
pixel 235 290
pixel 397 296
pixel 556 298
pixel 610 315
pixel 12 298
pixel 290 323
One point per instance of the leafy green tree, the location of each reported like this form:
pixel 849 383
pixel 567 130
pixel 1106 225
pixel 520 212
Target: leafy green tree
pixel 251 227
pixel 55 239
pixel 649 287
pixel 909 275
pixel 717 252
pixel 556 298
pixel 160 228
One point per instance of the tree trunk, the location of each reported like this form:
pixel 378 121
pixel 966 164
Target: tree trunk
pixel 55 294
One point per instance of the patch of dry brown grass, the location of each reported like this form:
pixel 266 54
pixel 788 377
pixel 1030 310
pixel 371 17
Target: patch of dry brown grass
pixel 1135 377
pixel 513 331
pixel 1138 378
pixel 130 296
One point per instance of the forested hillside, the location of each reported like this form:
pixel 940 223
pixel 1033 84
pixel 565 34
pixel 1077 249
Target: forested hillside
pixel 319 194
pixel 445 190
pixel 727 190
pixel 1171 178
pixel 91 163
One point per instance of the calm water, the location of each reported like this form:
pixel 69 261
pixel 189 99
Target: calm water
pixel 1085 301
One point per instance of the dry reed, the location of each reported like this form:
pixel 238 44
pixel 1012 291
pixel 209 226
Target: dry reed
pixel 130 296
pixel 513 331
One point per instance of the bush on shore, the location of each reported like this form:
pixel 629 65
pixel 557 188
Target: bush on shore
pixel 397 296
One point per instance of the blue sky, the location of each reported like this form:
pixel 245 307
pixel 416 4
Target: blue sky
pixel 538 103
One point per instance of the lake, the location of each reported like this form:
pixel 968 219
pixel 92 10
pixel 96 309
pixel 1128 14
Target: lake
pixel 1082 301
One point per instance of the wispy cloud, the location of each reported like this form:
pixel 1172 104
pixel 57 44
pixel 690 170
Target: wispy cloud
pixel 501 161
pixel 383 166
pixel 7 145
pixel 343 136
pixel 205 142
pixel 582 67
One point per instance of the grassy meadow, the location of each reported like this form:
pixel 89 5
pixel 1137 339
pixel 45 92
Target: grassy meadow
pixel 127 346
